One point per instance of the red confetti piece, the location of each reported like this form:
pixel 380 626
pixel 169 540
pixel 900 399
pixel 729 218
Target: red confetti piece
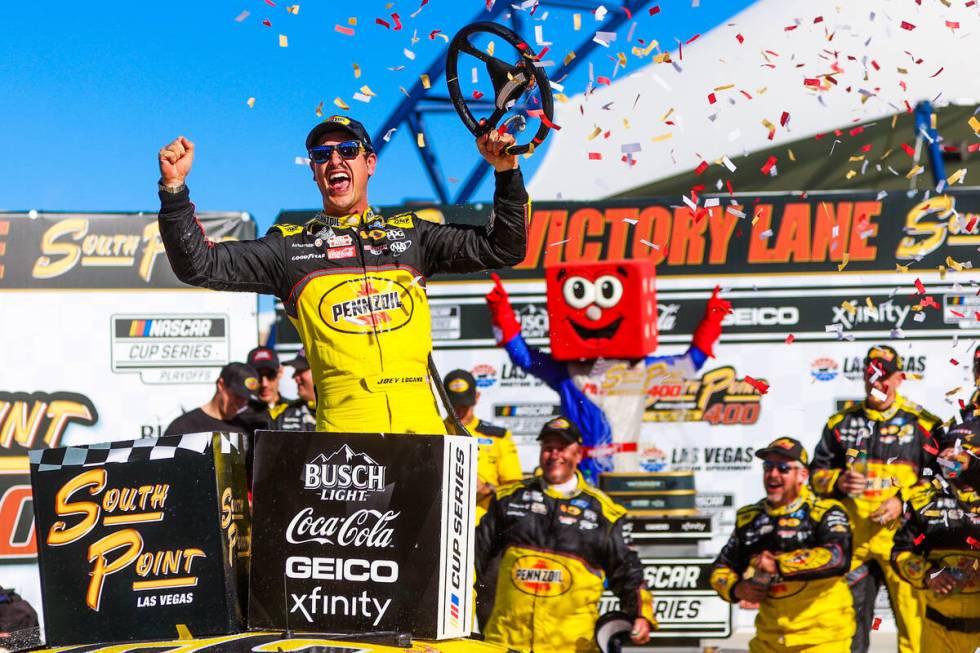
pixel 953 361
pixel 432 34
pixel 812 82
pixel 875 65
pixel 866 148
pixel 711 98
pixel 603 80
pixel 931 449
pixel 595 156
pixel 745 93
pixel 629 14
pixel 382 22
pixel 783 119
pixel 818 19
pixel 770 162
pixel 790 338
pixel 920 287
pixel 928 301
pixel 692 39
pixel 538 113
pixel 349 31
pixel 741 39
pixel 477 95
pixel 907 26
pixel 876 623
pixel 972 542
pixel 856 131
pixel 267 22
pixel 952 24
pixel 270 3
pixel 790 28
pixel 701 167
pixel 937 72
pixel 761 386
pixel 398 21
pixel 654 10
pixel 919 538
pixel 908 149
pixel 957 314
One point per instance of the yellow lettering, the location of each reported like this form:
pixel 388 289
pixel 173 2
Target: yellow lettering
pixel 44 266
pixel 128 538
pixel 154 248
pixel 60 533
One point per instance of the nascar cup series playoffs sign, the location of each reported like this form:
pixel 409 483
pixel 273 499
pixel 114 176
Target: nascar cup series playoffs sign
pixel 363 532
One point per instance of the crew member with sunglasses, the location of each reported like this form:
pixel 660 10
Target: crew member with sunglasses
pixel 871 457
pixel 790 553
pixel 353 282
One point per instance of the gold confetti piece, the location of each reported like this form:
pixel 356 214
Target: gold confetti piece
pixel 953 264
pixel 357 71
pixel 340 103
pixel 283 41
pixel 768 125
pixel 870 304
pixel 663 57
pixel 561 97
pixel 887 152
pixel 352 21
pixel 250 102
pixel 490 47
pixel 942 272
pixel 956 177
pixel 367 91
pixel 595 132
pixel 974 125
pixel 762 90
pixel 894 120
pixel 402 89
pixel 667 115
pixel 850 174
pixel 577 21
pixel 856 158
pixel 319 110
pixel 724 88
pixel 851 453
pixel 843 263
pixel 293 9
pixel 568 58
pixel 626 123
pixel 425 81
pixel 420 139
pixel 901 268
pixel 621 58
pixel 661 137
pixel 849 307
pixel 954 391
pixel 916 169
pixel 792 157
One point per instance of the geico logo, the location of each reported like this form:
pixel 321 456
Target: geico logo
pixel 763 316
pixel 672 577
pixel 354 569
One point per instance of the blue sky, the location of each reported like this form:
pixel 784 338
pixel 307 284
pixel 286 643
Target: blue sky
pixel 92 90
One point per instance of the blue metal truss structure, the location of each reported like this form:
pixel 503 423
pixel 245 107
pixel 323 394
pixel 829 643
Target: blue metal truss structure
pixel 412 110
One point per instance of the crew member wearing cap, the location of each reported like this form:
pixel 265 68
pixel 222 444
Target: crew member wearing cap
pixel 871 457
pixel 790 553
pixel 938 548
pixel 352 281
pixel 300 413
pixel 235 387
pixel 497 461
pixel 561 540
pixel 265 361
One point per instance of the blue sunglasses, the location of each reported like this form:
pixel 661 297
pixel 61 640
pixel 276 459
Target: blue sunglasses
pixel 348 150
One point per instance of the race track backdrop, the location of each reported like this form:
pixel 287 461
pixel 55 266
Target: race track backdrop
pixel 100 342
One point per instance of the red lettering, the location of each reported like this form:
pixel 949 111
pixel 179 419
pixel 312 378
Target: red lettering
pixel 653 226
pixel 722 226
pixel 584 222
pixel 618 230
pixel 11 511
pixel 687 240
pixel 793 240
pixel 545 228
pixel 759 252
pixel 860 249
pixel 824 240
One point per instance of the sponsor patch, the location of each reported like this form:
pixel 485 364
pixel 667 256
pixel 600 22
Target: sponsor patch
pixel 340 252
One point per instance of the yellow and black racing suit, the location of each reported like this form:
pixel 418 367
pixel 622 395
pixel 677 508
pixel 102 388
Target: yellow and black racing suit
pixel 557 553
pixel 891 448
pixel 497 461
pixel 943 532
pixel 808 607
pixel 354 287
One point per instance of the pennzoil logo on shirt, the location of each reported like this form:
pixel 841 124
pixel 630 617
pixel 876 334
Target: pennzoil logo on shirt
pixel 540 576
pixel 366 305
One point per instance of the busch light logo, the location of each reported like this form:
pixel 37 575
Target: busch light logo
pixel 344 475
pixel 534 321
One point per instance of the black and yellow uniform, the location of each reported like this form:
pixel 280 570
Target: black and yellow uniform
pixel 808 607
pixel 557 553
pixel 943 532
pixel 497 461
pixel 354 287
pixel 891 448
pixel 295 415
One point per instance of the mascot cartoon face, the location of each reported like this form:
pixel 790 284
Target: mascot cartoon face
pixel 606 309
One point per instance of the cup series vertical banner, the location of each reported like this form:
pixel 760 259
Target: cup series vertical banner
pixel 136 538
pixel 363 532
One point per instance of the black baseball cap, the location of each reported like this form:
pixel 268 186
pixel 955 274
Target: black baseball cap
pixel 241 379
pixel 263 358
pixel 884 357
pixel 339 124
pixel 300 363
pixel 461 388
pixel 563 428
pixel 787 447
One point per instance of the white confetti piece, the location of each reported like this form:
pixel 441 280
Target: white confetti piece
pixel 728 163
pixel 711 202
pixel 629 148
pixel 301 161
pixel 649 244
pixel 733 211
pixel 409 54
pixel 560 242
pixel 539 35
pixel 600 13
pixel 360 97
pixel 765 234
pixel 388 134
pixel 242 16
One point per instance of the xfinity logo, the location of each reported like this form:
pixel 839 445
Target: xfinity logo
pixel 886 313
pixel 667 316
pixel 344 475
pixel 763 316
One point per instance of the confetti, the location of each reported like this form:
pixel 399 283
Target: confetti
pixel 340 103
pixel 843 263
pixel 293 9
pixel 409 54
pixel 343 30
pixel 242 16
pixel 790 338
pixel 770 162
pixel 357 71
pixel 878 394
pixel 301 161
pixel 319 110
pixel 398 21
pixel 956 177
pixel 728 163
pixel 283 41
pixel 701 168
pixel 654 10
pixel 974 125
pixel 267 22
pixel 876 623
pixel 907 26
pixel 250 102
pixel 761 386
pixel 595 156
pixel 425 81
pixel 388 134
pixel 420 140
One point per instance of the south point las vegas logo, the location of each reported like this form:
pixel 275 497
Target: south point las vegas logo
pixel 344 475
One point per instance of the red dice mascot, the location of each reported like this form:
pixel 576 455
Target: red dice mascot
pixel 603 326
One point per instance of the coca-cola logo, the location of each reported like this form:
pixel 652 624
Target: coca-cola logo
pixel 363 528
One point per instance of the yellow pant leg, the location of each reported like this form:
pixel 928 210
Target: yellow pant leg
pixel 758 645
pixel 935 638
pixel 908 603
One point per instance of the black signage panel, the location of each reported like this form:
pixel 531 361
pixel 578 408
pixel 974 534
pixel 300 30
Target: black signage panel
pixel 363 532
pixel 138 537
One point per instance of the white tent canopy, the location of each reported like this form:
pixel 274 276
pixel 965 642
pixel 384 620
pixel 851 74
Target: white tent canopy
pixel 788 49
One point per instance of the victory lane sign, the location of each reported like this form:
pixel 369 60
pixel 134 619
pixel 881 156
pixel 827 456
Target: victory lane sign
pixel 136 538
pixel 361 533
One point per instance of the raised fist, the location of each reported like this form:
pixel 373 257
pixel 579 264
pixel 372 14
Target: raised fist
pixel 175 161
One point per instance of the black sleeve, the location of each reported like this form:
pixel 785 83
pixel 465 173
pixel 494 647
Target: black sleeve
pixel 829 556
pixel 466 248
pixel 624 573
pixel 247 266
pixel 828 461
pixel 488 544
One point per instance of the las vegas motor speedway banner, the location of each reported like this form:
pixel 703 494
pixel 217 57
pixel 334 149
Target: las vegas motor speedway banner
pixel 100 342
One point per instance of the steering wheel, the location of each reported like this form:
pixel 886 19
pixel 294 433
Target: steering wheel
pixel 510 82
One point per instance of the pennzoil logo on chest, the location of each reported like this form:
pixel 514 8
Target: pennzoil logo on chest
pixel 366 305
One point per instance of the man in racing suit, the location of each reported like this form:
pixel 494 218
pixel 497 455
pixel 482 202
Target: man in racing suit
pixel 789 553
pixel 351 281
pixel 870 457
pixel 561 540
pixel 300 413
pixel 938 548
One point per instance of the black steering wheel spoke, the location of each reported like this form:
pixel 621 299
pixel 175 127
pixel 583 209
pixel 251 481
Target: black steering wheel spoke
pixel 511 82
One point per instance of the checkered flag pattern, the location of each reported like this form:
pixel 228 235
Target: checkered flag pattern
pixel 127 451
